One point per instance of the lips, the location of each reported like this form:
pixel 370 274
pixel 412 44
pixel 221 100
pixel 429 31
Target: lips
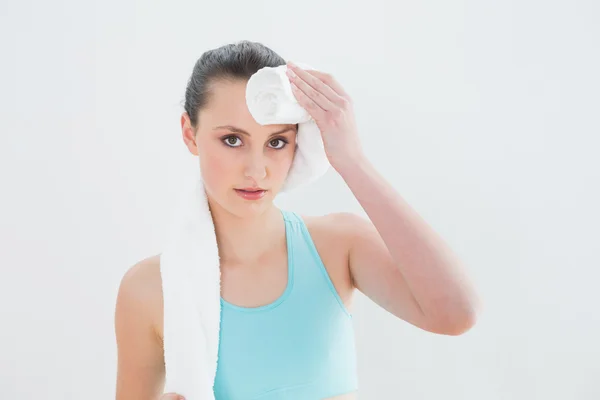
pixel 251 193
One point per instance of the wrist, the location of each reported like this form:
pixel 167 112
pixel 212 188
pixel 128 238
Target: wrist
pixel 346 165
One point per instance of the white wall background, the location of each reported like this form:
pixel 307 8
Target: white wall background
pixel 484 115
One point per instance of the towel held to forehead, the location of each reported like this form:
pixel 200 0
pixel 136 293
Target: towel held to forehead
pixel 189 264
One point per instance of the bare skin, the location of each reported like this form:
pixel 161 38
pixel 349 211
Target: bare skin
pixel 245 231
pixel 394 257
pixel 139 312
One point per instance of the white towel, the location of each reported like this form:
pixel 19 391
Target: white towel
pixel 190 270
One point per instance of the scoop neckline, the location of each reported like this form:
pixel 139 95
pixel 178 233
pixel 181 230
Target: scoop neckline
pixel 290 279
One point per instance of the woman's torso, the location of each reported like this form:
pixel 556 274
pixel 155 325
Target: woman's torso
pixel 251 287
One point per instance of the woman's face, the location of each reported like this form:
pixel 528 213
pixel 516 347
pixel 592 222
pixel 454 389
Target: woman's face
pixel 237 153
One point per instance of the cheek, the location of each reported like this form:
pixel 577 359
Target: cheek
pixel 215 167
pixel 284 161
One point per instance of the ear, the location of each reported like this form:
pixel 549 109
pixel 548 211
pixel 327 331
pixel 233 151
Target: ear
pixel 189 134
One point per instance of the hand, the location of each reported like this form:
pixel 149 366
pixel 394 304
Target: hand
pixel 171 396
pixel 331 108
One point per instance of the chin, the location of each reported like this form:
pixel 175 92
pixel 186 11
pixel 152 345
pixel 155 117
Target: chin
pixel 243 207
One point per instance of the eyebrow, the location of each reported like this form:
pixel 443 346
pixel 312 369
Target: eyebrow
pixel 239 130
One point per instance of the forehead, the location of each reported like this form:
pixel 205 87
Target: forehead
pixel 227 106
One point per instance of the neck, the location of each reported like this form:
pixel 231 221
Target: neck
pixel 243 240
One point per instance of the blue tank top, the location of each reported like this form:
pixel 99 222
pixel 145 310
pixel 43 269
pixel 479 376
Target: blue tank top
pixel 299 347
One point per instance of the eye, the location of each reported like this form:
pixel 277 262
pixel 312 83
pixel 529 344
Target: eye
pixel 274 143
pixel 232 141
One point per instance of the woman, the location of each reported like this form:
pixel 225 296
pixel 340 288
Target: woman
pixel 287 277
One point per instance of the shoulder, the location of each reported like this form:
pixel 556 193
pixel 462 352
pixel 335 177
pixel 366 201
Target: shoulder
pixel 333 235
pixel 343 226
pixel 141 280
pixel 140 293
pixel 336 231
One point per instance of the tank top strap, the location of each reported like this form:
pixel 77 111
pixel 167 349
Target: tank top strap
pixel 290 216
pixel 308 265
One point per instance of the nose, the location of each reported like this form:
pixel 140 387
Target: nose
pixel 255 166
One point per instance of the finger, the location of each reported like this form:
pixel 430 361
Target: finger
pixel 307 103
pixel 313 87
pixel 330 81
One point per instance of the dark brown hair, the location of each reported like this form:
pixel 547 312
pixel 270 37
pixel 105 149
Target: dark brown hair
pixel 239 60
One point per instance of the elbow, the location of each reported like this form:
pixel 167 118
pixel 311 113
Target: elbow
pixel 460 326
pixel 459 319
pixel 454 324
